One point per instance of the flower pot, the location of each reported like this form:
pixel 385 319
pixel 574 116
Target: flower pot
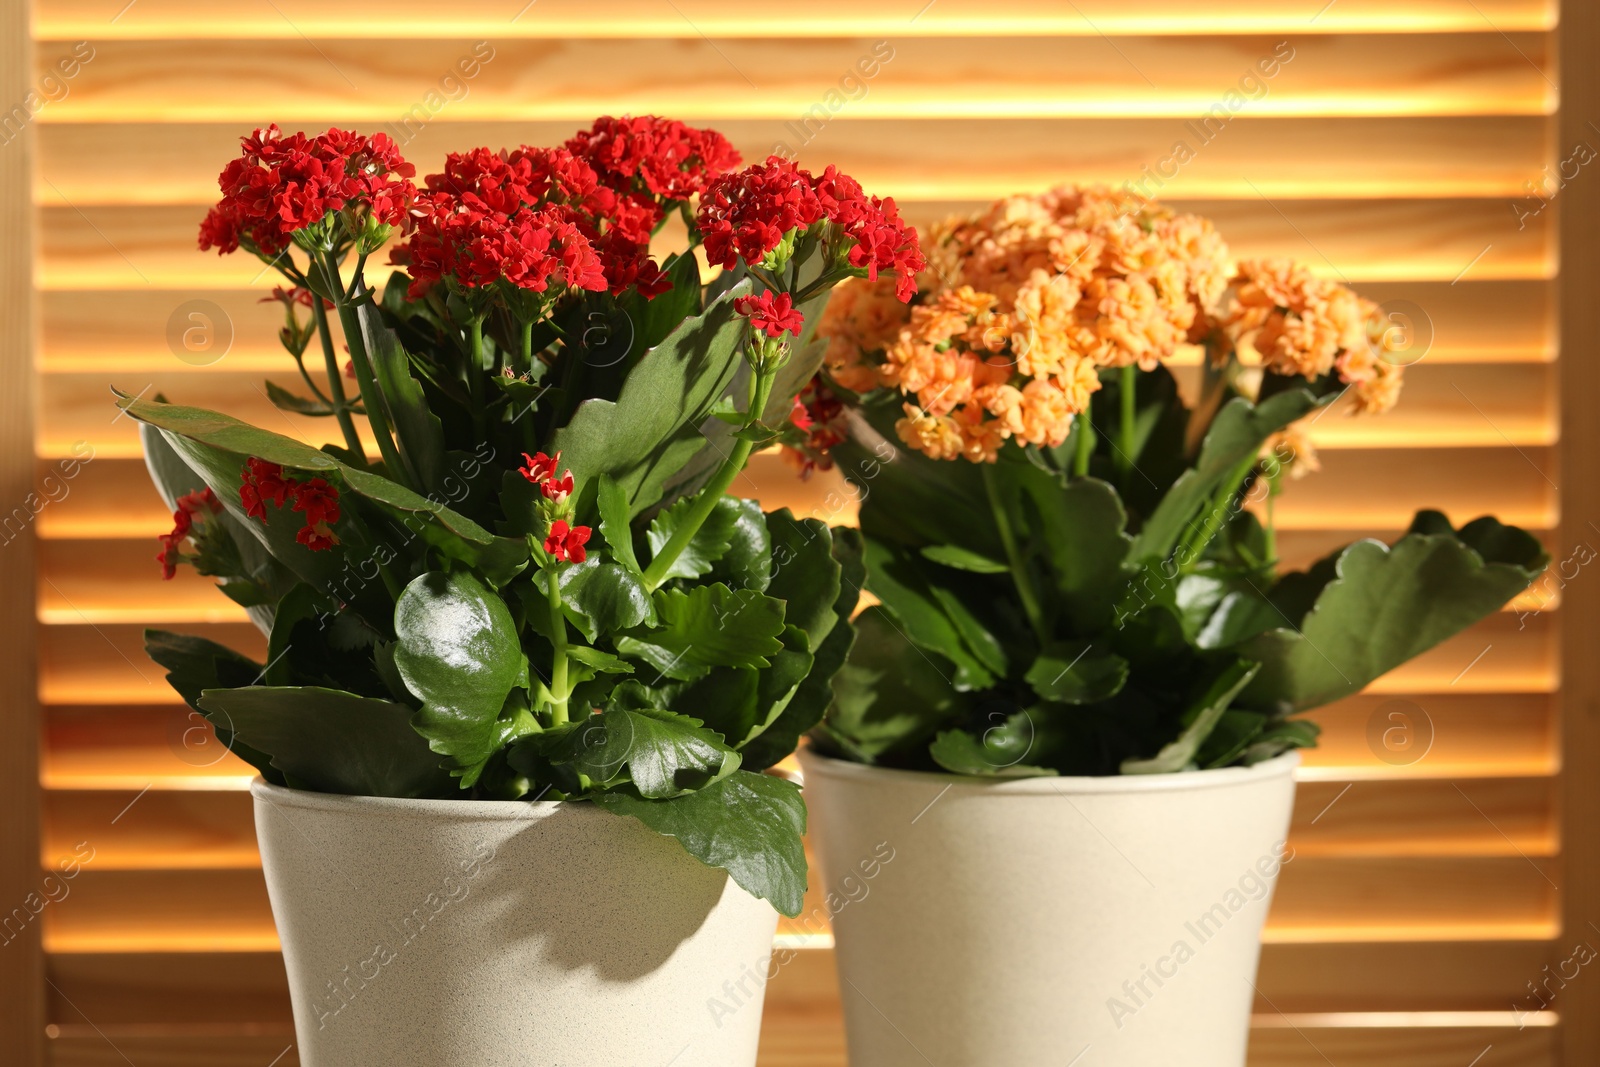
pixel 445 933
pixel 1102 922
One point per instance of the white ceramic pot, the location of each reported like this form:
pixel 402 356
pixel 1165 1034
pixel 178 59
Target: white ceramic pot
pixel 445 933
pixel 1047 922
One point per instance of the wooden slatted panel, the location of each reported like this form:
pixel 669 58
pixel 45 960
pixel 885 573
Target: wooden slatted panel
pixel 1390 151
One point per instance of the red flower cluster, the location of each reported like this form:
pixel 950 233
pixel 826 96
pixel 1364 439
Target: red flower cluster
pixel 541 471
pixel 280 184
pixel 566 542
pixel 774 316
pixel 292 296
pixel 264 483
pixel 190 505
pixel 820 415
pixel 746 215
pixel 667 158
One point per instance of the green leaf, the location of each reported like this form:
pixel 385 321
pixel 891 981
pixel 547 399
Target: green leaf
pixel 805 708
pixel 655 319
pixel 708 626
pixel 805 576
pixel 1280 738
pixel 664 754
pixel 417 432
pixel 896 578
pixel 1381 606
pixel 598 661
pixel 890 696
pixel 458 653
pixel 1200 719
pixel 602 598
pixel 614 522
pixel 216 446
pixel 747 824
pixel 284 400
pixel 963 559
pixel 747 564
pixel 999 753
pixel 1235 435
pixel 653 427
pixel 709 543
pixel 1075 672
pixel 195 665
pixel 330 741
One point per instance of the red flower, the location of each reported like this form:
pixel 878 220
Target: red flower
pixel 539 468
pixel 316 536
pixel 190 505
pixel 200 500
pixel 821 415
pixel 297 294
pixel 566 542
pixel 666 157
pixel 318 500
pixel 168 556
pixel 466 240
pixel 799 417
pixel 282 184
pixel 263 483
pixel 774 316
pixel 745 215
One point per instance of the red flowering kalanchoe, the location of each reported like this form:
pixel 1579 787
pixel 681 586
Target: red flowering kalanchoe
pixel 774 316
pixel 566 542
pixel 663 156
pixel 540 469
pixel 190 506
pixel 820 416
pixel 264 483
pixel 747 215
pixel 281 184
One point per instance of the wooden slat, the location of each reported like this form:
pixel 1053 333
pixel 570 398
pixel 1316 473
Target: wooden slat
pixel 1425 240
pixel 68 20
pixel 87 665
pixel 120 582
pixel 1347 158
pixel 1473 735
pixel 364 80
pixel 1492 817
pixel 137 751
pixel 153 830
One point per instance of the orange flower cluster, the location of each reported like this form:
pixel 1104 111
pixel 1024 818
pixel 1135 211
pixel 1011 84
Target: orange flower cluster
pixel 1027 302
pixel 1298 324
pixel 1024 304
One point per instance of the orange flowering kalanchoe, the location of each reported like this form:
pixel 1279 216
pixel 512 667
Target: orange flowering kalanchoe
pixel 1024 304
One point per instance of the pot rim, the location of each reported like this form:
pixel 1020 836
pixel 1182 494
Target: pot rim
pixel 1224 777
pixel 498 810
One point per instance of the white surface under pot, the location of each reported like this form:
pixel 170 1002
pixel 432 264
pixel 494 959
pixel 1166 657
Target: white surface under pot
pixel 1042 922
pixel 446 933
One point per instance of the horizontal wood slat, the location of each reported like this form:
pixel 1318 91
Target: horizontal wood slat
pixel 179 19
pixel 1344 158
pixel 365 80
pixel 96 247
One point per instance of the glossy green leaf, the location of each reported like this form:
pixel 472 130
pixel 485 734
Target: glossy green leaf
pixel 709 543
pixel 195 665
pixel 615 524
pixel 417 432
pixel 1077 672
pixel 1002 751
pixel 963 559
pixel 1383 606
pixel 662 753
pixel 747 564
pixel 330 741
pixel 805 575
pixel 459 654
pixel 708 626
pixel 747 824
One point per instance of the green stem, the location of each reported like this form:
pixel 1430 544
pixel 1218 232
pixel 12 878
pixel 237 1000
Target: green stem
pixel 1216 514
pixel 371 398
pixel 527 347
pixel 1272 516
pixel 715 489
pixel 341 406
pixel 475 374
pixel 1125 446
pixel 558 664
pixel 1083 451
pixel 1019 570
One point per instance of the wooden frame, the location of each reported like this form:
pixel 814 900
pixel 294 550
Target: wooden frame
pixel 21 959
pixel 1579 480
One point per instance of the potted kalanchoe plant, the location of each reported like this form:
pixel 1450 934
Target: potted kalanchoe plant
pixel 526 659
pixel 1076 701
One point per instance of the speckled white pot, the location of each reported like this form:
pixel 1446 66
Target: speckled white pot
pixel 444 933
pixel 1047 922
